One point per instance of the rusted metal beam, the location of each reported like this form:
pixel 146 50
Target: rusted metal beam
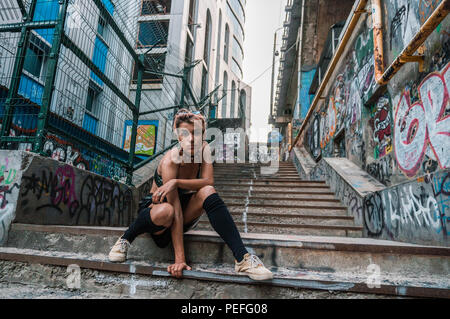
pixel 407 55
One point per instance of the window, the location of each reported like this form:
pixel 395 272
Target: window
pixel 92 98
pixel 90 121
pixel 238 53
pixel 227 43
pixel 34 59
pixel 204 88
pixel 219 35
pixel 101 26
pixel 189 55
pixel 189 50
pixel 238 9
pixel 225 92
pixel 152 33
pixel 109 6
pixel 191 20
pixel 153 62
pixel 236 68
pixel 238 31
pixel 207 49
pixel 46 10
pixel 242 104
pixel 151 7
pixel 233 99
pixel 99 58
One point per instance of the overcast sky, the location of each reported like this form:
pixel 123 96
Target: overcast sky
pixel 263 17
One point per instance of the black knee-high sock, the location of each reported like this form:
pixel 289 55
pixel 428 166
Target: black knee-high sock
pixel 223 224
pixel 143 224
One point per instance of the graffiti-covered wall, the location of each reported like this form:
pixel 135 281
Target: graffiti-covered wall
pixel 405 133
pixel 11 165
pixel 401 137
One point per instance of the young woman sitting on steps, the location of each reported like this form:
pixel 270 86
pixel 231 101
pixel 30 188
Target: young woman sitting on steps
pixel 181 192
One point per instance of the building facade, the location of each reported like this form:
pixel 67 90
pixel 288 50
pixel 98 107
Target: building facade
pixel 83 107
pixel 208 31
pixel 309 30
pixel 377 129
pixel 92 111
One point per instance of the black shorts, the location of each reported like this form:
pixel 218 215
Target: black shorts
pixel 165 238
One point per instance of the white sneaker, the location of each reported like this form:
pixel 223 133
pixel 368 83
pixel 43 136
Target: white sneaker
pixel 119 251
pixel 253 267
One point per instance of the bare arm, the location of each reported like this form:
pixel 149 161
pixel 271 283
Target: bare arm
pixel 169 171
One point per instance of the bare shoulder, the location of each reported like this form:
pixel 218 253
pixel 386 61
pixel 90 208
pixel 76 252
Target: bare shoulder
pixel 168 160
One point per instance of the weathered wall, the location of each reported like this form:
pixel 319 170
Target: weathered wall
pixel 54 193
pixel 402 139
pixel 417 209
pixel 11 166
pixel 316 31
pixel 405 134
pixel 414 211
pixel 40 190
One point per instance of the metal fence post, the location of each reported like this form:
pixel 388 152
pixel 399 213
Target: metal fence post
pixel 51 76
pixel 17 72
pixel 135 118
pixel 183 86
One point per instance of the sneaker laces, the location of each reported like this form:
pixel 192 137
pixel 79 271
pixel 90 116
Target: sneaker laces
pixel 255 261
pixel 123 244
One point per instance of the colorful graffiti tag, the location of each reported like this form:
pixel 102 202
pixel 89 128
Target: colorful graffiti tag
pixel 381 124
pixel 423 128
pixel 63 151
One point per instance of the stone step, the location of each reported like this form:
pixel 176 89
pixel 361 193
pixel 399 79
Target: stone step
pixel 253 170
pixel 256 176
pixel 283 198
pixel 272 184
pixel 279 218
pixel 292 229
pixel 267 205
pixel 46 276
pixel 273 181
pixel 313 196
pixel 284 203
pixel 289 211
pixel 330 257
pixel 281 164
pixel 264 189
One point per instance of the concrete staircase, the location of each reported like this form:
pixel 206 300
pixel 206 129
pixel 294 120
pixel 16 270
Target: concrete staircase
pixel 298 228
pixel 281 203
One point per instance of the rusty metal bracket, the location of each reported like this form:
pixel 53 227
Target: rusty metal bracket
pixel 415 58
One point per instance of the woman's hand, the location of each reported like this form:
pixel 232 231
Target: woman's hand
pixel 176 269
pixel 161 193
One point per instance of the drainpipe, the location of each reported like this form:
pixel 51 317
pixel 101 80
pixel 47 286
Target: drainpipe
pixel 359 9
pixel 439 14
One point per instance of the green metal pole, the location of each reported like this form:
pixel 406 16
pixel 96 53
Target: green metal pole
pixel 183 87
pixel 51 76
pixel 135 120
pixel 17 72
